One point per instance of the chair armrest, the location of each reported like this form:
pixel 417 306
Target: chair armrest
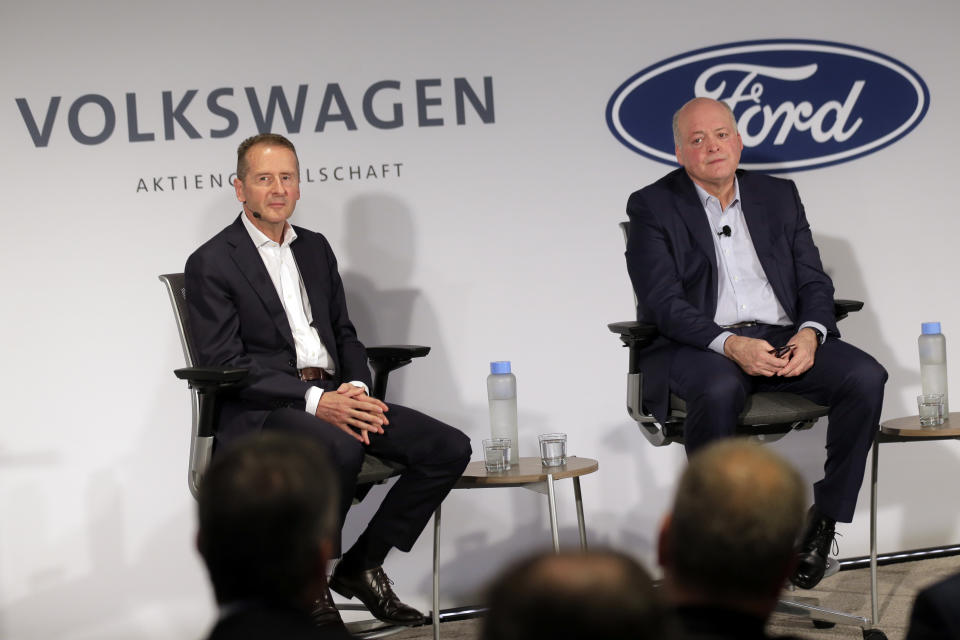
pixel 842 308
pixel 387 358
pixel 396 352
pixel 206 379
pixel 633 333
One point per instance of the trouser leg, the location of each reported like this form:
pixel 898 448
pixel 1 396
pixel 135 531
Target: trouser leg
pixel 346 453
pixel 715 390
pixel 851 383
pixel 435 455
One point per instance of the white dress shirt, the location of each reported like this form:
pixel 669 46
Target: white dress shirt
pixel 744 293
pixel 285 275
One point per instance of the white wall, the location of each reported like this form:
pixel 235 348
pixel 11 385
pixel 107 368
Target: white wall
pixel 496 241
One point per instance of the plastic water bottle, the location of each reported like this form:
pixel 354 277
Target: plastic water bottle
pixel 502 395
pixel 933 361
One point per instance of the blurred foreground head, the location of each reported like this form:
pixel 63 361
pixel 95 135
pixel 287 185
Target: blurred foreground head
pixel 267 513
pixel 598 595
pixel 731 536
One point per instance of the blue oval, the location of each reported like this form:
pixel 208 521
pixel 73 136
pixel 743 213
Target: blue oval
pixel 799 104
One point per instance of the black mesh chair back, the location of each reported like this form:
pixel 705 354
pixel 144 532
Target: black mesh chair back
pixel 201 445
pixel 202 440
pixel 766 416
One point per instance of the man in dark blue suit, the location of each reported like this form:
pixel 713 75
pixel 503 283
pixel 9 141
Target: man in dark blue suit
pixel 723 263
pixel 266 296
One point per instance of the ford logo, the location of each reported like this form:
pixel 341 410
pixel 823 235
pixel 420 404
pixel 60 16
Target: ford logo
pixel 799 104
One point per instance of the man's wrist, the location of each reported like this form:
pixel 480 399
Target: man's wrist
pixel 312 398
pixel 717 345
pixel 819 330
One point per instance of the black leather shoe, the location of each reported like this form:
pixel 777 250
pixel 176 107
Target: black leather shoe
pixel 372 587
pixel 814 547
pixel 325 611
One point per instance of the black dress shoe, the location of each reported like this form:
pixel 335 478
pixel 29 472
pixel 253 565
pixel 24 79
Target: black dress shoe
pixel 325 611
pixel 812 555
pixel 372 587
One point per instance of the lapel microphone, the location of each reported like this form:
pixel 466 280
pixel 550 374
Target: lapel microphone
pixel 256 214
pixel 723 232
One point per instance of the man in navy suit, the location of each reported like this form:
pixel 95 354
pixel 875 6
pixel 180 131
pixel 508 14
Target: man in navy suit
pixel 266 296
pixel 723 263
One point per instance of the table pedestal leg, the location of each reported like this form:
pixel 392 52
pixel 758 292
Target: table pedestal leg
pixel 580 524
pixel 873 530
pixel 552 503
pixel 436 574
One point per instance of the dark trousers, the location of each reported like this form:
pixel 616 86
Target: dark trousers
pixel 434 453
pixel 842 377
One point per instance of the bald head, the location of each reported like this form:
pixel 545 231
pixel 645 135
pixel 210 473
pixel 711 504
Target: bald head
pixel 693 105
pixel 735 520
pixel 600 595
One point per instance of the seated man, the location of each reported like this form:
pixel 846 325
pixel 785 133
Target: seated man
pixel 723 263
pixel 727 546
pixel 266 296
pixel 267 523
pixel 598 595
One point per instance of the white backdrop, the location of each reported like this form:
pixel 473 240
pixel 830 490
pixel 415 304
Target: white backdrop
pixel 496 241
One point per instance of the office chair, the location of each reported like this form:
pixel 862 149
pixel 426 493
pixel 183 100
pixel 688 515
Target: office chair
pixel 766 417
pixel 206 382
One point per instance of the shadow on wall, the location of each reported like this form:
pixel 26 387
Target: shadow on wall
pixel 805 449
pixel 836 255
pixel 380 248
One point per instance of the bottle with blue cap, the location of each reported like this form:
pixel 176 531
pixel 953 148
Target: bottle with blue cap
pixel 502 395
pixel 933 361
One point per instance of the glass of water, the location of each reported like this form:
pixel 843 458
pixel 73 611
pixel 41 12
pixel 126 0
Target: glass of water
pixel 930 407
pixel 496 454
pixel 553 449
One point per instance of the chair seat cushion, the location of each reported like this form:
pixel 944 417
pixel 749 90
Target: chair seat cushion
pixel 769 408
pixel 376 470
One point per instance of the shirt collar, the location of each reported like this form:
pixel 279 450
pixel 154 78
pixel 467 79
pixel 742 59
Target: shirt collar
pixel 260 239
pixel 704 196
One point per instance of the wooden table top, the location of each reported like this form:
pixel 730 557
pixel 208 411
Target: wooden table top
pixel 909 427
pixel 528 471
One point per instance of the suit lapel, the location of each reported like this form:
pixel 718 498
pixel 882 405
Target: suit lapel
pixel 315 276
pixel 695 219
pixel 758 217
pixel 248 260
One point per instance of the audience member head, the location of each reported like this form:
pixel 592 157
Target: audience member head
pixel 730 539
pixel 267 514
pixel 599 595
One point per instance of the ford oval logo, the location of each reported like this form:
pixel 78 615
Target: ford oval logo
pixel 799 104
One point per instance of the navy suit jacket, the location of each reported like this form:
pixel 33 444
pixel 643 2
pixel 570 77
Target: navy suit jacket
pixel 237 320
pixel 673 265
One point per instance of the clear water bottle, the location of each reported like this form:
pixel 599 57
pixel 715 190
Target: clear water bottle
pixel 933 361
pixel 502 395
